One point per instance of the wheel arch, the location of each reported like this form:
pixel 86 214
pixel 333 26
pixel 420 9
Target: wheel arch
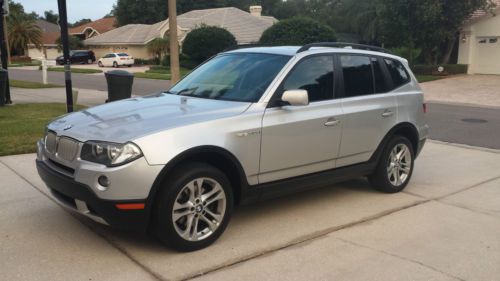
pixel 212 155
pixel 404 129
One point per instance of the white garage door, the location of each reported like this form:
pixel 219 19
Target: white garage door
pixel 487 55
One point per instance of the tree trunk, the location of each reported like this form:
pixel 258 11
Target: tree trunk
pixel 449 49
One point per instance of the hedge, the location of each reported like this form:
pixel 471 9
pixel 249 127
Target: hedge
pixel 423 69
pixel 297 31
pixel 205 41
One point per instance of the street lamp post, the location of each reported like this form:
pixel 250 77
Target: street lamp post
pixel 63 24
pixel 174 43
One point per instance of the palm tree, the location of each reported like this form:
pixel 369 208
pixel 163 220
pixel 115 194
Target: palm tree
pixel 158 47
pixel 22 32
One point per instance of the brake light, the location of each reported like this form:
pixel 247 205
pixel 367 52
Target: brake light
pixel 424 107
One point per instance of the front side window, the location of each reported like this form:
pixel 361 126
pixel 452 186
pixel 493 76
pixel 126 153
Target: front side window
pixel 236 77
pixel 398 72
pixel 314 74
pixel 358 77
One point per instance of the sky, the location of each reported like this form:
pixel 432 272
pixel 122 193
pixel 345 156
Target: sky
pixel 77 9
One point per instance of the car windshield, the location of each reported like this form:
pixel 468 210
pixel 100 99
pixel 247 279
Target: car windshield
pixel 122 55
pixel 235 77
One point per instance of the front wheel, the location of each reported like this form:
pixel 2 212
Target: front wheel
pixel 193 208
pixel 100 64
pixel 115 64
pixel 395 167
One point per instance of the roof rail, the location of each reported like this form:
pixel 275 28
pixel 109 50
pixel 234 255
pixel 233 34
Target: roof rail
pixel 243 46
pixel 343 45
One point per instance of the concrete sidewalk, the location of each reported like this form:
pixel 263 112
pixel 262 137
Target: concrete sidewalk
pixel 445 226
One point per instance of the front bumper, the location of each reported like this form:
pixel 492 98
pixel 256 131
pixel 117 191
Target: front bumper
pixel 81 199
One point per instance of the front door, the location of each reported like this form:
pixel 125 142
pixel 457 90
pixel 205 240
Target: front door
pixel 299 140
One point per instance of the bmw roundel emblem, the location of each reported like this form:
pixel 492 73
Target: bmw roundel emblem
pixel 67 127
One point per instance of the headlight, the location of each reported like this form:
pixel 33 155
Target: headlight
pixel 110 154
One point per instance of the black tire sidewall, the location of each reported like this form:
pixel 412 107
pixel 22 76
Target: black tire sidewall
pixel 164 227
pixel 380 179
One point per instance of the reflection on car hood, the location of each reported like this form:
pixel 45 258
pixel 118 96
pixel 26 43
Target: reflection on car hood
pixel 130 119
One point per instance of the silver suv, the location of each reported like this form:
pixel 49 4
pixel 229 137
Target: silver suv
pixel 247 125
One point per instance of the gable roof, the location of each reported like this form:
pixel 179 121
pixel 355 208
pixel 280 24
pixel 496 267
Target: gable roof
pixel 245 27
pixel 101 26
pixel 46 26
pixel 480 13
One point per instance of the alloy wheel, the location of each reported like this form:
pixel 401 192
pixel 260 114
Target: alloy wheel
pixel 399 166
pixel 199 209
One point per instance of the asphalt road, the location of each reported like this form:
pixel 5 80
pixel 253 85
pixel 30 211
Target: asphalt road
pixel 474 126
pixel 89 81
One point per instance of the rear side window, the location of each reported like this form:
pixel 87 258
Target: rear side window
pixel 122 55
pixel 398 72
pixel 378 74
pixel 358 78
pixel 314 74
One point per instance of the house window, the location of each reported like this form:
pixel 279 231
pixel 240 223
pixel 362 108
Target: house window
pixel 493 40
pixel 482 41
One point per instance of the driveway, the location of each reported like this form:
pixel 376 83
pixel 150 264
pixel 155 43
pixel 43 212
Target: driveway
pixel 477 90
pixel 445 226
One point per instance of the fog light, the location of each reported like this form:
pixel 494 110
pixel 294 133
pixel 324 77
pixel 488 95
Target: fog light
pixel 103 181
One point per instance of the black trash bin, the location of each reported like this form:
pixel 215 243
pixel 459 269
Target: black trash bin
pixel 119 84
pixel 3 86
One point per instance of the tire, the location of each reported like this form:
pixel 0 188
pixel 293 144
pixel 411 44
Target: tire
pixel 100 64
pixel 393 174
pixel 170 226
pixel 129 65
pixel 115 64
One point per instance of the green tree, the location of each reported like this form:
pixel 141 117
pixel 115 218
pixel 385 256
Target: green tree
pixel 158 47
pixel 80 22
pixel 297 31
pixel 50 16
pixel 75 43
pixel 23 31
pixel 140 11
pixel 205 41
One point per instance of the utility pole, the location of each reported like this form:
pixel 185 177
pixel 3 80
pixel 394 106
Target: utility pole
pixel 63 24
pixel 6 38
pixel 174 43
pixel 3 49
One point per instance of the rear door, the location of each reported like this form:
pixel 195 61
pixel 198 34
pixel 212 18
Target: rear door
pixel 369 108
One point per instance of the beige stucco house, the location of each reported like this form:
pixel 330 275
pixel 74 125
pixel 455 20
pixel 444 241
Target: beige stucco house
pixel 479 44
pixel 247 27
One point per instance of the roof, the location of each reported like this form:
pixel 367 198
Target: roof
pixel 101 26
pixel 480 13
pixel 50 38
pixel 245 27
pixel 46 26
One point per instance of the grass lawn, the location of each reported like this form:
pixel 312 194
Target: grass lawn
pixel 428 78
pixel 162 74
pixel 31 85
pixel 22 125
pixel 75 70
pixel 19 64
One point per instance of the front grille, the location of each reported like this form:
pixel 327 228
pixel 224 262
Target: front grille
pixel 67 148
pixel 51 142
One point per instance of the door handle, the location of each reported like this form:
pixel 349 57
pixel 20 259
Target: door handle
pixel 387 113
pixel 332 122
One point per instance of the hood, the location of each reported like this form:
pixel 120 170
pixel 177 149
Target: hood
pixel 130 119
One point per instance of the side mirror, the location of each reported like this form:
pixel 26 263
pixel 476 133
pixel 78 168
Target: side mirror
pixel 296 97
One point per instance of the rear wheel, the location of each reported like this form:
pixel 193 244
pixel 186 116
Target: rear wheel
pixel 395 167
pixel 115 64
pixel 193 208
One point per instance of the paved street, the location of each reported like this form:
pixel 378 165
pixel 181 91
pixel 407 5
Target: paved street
pixel 90 81
pixel 445 226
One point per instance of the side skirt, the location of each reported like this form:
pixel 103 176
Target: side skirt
pixel 280 188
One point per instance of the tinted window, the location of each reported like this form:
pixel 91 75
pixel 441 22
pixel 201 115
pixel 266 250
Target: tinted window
pixel 398 72
pixel 122 55
pixel 236 77
pixel 314 74
pixel 358 78
pixel 380 81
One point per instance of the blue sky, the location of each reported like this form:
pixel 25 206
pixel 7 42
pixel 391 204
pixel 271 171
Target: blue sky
pixel 77 9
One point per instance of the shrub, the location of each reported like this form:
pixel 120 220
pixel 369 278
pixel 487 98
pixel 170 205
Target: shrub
pixel 146 61
pixel 297 31
pixel 407 53
pixel 205 41
pixel 20 59
pixel 421 69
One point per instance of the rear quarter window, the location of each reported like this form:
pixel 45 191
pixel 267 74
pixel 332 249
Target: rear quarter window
pixel 397 72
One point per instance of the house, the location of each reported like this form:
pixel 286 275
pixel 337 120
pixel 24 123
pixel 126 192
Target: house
pixel 50 34
pixel 91 29
pixel 479 44
pixel 247 27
